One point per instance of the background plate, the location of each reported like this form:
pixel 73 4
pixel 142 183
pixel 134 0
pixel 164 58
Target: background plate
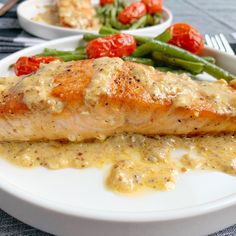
pixel 30 8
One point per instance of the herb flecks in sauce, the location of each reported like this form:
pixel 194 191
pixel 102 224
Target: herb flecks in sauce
pixel 137 162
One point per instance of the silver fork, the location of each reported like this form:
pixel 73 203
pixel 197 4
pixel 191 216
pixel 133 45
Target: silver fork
pixel 219 42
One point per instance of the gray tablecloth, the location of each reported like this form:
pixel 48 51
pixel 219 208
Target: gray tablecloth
pixel 210 16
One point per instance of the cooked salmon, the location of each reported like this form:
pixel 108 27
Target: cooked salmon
pixel 78 14
pixel 97 98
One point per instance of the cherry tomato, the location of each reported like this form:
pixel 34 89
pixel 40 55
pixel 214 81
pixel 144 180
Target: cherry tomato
pixel 153 6
pixel 132 13
pixel 187 37
pixel 28 65
pixel 117 45
pixel 104 2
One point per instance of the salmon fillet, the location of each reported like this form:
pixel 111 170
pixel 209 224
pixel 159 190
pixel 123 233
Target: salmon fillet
pixel 78 14
pixel 97 98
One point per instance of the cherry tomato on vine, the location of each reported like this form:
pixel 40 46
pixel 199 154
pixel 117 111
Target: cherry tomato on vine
pixel 28 65
pixel 132 13
pixel 187 37
pixel 153 6
pixel 117 45
pixel 104 2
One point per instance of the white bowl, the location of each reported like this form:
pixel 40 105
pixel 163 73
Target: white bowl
pixel 30 8
pixel 76 202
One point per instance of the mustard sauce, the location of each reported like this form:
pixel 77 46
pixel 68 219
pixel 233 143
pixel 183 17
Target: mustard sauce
pixel 137 162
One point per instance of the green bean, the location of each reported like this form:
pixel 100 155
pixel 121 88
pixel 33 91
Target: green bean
pixel 104 31
pixel 176 52
pixel 54 52
pixel 123 3
pixel 119 9
pixel 102 19
pixel 119 4
pixel 156 19
pixel 179 72
pixel 73 57
pixel 109 9
pixel 102 10
pixel 141 39
pixel 104 14
pixel 107 22
pixel 108 16
pixel 88 36
pixel 164 37
pixel 146 61
pixel 80 51
pixel 176 71
pixel 80 48
pixel 140 23
pixel 149 19
pixel 193 67
pixel 142 50
pixel 164 68
pixel 116 3
pixel 107 31
pixel 210 59
pixel 57 53
pixel 115 23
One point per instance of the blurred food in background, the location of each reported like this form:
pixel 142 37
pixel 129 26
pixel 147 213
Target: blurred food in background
pixel 117 14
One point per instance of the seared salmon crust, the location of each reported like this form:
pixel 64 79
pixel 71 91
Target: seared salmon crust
pixel 89 99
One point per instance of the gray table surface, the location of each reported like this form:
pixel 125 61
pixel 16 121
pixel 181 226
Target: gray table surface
pixel 210 16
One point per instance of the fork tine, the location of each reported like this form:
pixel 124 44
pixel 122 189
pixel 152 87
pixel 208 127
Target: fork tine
pixel 215 45
pixel 220 44
pixel 226 45
pixel 208 41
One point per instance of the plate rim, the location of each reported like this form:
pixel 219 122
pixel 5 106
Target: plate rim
pixel 112 216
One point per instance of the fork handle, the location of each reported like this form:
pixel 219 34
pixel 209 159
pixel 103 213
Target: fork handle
pixel 7 6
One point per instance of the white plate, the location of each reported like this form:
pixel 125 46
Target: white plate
pixel 30 8
pixel 76 202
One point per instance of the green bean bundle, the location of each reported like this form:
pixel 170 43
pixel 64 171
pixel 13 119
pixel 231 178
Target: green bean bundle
pixel 108 16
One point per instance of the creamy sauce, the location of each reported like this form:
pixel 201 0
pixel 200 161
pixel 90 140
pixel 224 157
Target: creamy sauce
pixel 7 82
pixel 184 92
pixel 142 76
pixel 180 90
pixel 37 88
pixel 105 69
pixel 137 162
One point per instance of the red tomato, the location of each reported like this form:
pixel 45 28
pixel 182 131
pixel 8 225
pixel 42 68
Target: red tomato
pixel 187 37
pixel 28 65
pixel 153 6
pixel 117 45
pixel 104 2
pixel 132 13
